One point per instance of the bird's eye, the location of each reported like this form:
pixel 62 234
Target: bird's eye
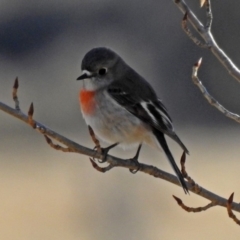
pixel 102 71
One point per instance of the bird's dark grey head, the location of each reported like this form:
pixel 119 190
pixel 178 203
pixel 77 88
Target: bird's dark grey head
pixel 98 58
pixel 100 67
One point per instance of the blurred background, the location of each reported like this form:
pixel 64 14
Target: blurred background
pixel 45 194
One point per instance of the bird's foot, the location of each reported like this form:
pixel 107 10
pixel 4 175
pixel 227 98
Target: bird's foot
pixel 135 160
pixel 104 152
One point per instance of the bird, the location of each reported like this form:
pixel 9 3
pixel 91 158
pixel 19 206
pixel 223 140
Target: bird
pixel 122 107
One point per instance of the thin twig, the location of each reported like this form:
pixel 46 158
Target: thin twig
pixel 209 39
pixel 209 15
pixel 209 98
pixel 31 122
pixel 190 34
pixel 185 174
pixel 14 94
pixel 183 168
pixel 56 146
pixel 192 209
pixel 229 209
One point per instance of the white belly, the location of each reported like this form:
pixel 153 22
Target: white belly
pixel 115 124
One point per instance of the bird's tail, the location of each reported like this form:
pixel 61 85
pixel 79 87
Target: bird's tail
pixel 177 139
pixel 162 141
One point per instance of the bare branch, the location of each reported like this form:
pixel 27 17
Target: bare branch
pixel 205 33
pixel 208 37
pixel 191 209
pixel 209 98
pixel 117 162
pixel 196 187
pixel 190 34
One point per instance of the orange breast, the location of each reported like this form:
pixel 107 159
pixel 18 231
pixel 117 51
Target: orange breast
pixel 87 101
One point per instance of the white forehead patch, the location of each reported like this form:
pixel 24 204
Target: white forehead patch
pixel 86 72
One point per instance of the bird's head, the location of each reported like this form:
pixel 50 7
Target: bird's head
pixel 100 66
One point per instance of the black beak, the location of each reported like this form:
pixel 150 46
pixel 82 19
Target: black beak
pixel 83 76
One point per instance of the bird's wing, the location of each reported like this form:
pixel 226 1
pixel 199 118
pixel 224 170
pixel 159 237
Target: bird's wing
pixel 146 107
pixel 149 111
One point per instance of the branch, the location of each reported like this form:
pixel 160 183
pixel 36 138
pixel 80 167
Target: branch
pixel 190 34
pixel 75 147
pixel 113 161
pixel 210 43
pixel 209 98
pixel 191 209
pixel 196 187
pixel 205 33
pixel 56 146
pixel 229 210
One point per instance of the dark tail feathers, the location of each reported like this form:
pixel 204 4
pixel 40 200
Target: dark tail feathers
pixel 162 141
pixel 177 139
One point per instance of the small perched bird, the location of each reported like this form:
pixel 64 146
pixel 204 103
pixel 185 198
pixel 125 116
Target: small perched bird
pixel 122 107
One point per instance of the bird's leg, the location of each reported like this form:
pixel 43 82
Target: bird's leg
pixel 135 160
pixel 105 151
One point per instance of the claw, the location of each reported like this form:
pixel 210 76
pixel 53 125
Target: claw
pixel 135 160
pixel 105 151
